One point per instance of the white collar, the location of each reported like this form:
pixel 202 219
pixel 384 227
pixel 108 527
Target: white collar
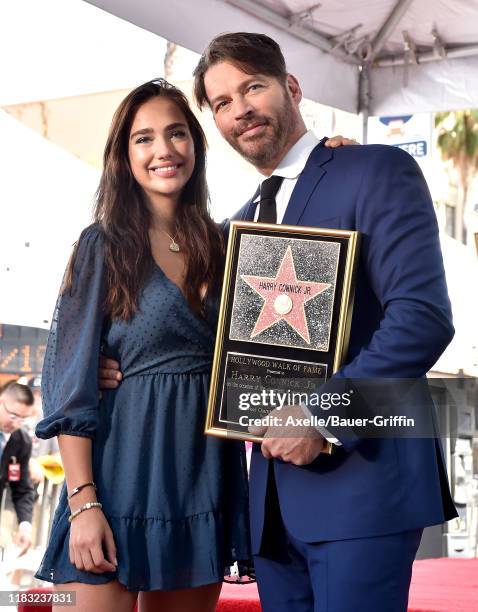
pixel 293 163
pixel 7 436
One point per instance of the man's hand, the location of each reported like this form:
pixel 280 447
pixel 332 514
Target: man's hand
pixel 294 442
pixel 23 537
pixel 109 375
pixel 339 141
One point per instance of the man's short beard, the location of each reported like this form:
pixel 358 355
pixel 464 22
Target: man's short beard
pixel 268 148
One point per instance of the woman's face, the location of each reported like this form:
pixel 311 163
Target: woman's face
pixel 161 149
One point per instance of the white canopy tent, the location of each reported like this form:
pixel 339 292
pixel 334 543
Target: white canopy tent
pixel 46 195
pixel 378 57
pixel 77 50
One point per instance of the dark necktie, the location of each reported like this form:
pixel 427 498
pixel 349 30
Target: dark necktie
pixel 267 205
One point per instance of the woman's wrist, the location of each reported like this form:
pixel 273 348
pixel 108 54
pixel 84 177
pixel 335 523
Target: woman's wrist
pixel 81 498
pixel 84 508
pixel 80 487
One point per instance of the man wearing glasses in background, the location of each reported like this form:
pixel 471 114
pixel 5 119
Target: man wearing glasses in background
pixel 16 403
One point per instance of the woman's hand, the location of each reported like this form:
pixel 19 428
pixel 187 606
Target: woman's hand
pixel 90 534
pixel 339 141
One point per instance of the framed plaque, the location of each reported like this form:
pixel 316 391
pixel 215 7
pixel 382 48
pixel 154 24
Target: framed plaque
pixel 284 320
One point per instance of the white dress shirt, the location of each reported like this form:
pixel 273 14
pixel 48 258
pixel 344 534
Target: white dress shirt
pixel 5 437
pixel 291 167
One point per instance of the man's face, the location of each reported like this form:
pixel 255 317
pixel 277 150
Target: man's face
pixel 256 114
pixel 12 413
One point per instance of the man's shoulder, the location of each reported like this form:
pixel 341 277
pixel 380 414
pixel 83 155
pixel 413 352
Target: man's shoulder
pixel 239 214
pixel 372 153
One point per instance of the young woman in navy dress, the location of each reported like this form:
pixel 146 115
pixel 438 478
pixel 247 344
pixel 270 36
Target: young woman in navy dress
pixel 150 505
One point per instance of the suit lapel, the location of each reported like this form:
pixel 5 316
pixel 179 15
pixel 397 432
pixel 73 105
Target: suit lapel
pixel 307 183
pixel 250 207
pixel 4 460
pixel 305 187
pixel 246 213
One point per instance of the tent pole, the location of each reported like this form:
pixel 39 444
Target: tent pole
pixel 364 98
pixel 456 52
pixel 365 126
pixel 305 33
pixel 389 25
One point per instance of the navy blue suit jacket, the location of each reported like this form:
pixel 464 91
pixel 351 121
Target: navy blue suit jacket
pixel 401 324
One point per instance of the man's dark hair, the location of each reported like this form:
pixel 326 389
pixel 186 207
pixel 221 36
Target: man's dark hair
pixel 18 393
pixel 252 53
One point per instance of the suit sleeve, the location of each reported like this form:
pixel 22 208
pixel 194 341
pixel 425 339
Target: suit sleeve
pixel 70 394
pixel 224 226
pixel 22 490
pixel 402 259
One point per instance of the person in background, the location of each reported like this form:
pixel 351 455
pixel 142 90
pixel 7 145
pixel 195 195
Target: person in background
pixel 16 403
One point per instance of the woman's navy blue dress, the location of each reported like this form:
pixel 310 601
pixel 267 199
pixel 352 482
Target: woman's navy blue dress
pixel 176 499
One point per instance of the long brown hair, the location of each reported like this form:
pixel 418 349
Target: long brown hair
pixel 124 218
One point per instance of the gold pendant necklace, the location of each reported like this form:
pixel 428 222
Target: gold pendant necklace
pixel 173 246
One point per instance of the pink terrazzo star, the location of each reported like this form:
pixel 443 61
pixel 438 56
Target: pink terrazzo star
pixel 284 297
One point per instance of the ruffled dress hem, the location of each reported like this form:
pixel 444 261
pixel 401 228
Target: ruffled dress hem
pixel 191 566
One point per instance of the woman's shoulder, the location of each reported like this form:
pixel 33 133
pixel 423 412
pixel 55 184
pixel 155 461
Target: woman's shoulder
pixel 92 233
pixel 88 250
pixel 91 241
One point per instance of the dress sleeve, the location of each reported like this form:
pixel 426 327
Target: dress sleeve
pixel 70 394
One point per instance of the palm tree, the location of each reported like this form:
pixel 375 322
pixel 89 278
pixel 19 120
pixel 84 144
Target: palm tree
pixel 458 141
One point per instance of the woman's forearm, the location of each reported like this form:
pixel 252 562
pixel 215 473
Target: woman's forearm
pixel 76 454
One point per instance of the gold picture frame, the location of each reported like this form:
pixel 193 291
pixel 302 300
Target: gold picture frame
pixel 290 331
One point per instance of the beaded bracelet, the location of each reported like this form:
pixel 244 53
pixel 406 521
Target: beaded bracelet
pixel 86 506
pixel 78 489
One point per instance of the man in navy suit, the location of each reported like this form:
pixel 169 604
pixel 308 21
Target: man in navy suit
pixel 339 533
